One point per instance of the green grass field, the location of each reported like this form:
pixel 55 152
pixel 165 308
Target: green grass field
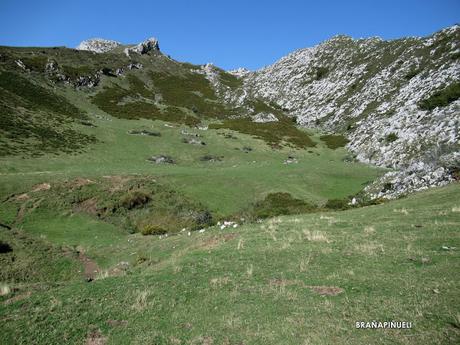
pixel 288 280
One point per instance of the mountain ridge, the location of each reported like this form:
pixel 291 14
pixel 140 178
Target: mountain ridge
pixel 396 101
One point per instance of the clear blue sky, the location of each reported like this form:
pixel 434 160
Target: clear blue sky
pixel 228 33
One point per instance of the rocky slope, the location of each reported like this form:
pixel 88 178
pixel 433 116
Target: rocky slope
pixel 396 101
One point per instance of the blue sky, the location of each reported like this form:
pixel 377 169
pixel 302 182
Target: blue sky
pixel 228 33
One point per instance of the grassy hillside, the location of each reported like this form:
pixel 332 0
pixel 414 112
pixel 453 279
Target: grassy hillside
pixel 289 280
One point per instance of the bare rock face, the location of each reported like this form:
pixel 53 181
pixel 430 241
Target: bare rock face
pixel 98 45
pixel 150 44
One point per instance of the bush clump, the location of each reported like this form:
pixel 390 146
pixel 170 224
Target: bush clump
pixel 334 141
pixel 441 98
pixel 321 72
pixel 277 204
pixel 153 229
pixel 392 137
pixel 337 204
pixel 5 247
pixel 135 199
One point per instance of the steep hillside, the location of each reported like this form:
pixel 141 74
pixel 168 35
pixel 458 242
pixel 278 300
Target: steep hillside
pixel 124 81
pixel 396 101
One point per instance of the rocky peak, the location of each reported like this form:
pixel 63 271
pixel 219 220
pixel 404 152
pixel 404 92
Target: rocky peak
pixel 150 44
pixel 98 45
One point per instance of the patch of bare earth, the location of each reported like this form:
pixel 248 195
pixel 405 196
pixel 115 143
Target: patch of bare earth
pixel 22 197
pixel 40 187
pixel 91 269
pixel 95 337
pixel 88 206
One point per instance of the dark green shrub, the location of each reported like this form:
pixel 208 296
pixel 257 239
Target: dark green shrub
pixel 274 133
pixel 321 72
pixel 391 137
pixel 276 204
pixel 411 74
pixel 334 141
pixel 153 229
pixel 441 98
pixel 5 247
pixel 203 219
pixel 337 204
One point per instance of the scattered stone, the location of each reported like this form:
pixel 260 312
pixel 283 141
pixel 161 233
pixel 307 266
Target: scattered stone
pixel 161 159
pixel 227 224
pixel 211 158
pixel 193 141
pixel 291 160
pixel 135 65
pixel 185 132
pixel 20 64
pixel 144 132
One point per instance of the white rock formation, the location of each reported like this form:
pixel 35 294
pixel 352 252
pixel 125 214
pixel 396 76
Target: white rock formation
pixel 98 45
pixel 264 117
pixel 150 44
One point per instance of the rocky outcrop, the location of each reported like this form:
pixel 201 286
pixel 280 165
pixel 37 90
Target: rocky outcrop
pixel 145 47
pixel 264 117
pixel 98 45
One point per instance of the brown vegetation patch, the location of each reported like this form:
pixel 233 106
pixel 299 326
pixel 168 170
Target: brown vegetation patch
pixel 80 182
pixel 214 241
pixel 88 206
pixel 117 323
pixel 326 290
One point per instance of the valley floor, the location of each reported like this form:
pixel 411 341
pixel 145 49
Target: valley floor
pixel 71 275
